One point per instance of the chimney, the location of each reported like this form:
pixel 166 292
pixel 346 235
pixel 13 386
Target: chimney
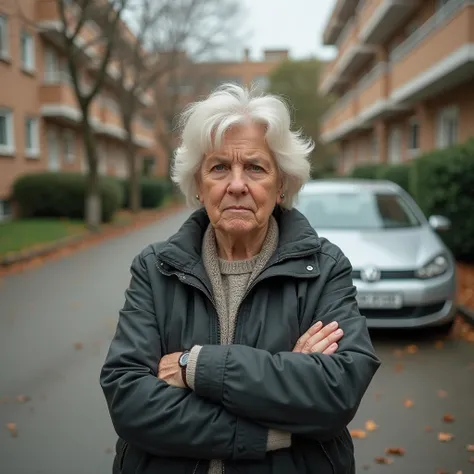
pixel 247 54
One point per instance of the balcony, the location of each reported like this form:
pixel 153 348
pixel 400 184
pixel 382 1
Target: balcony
pixel 341 14
pixel 438 56
pixel 341 119
pixel 380 19
pixel 144 136
pixel 58 100
pixel 351 56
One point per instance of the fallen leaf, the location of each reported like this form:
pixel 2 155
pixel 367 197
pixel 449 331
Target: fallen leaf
pixel 398 353
pixel 398 367
pixel 359 434
pixel 11 427
pixel 78 345
pixel 439 344
pixel 442 393
pixel 459 472
pixel 408 403
pixel 428 429
pixel 383 460
pixel 378 396
pixel 395 451
pixel 370 425
pixel 23 398
pixel 471 459
pixel 445 436
pixel 470 448
pixel 441 471
pixel 448 418
pixel 412 349
pixel 109 450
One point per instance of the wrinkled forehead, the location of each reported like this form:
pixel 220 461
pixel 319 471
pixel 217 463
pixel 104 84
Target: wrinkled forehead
pixel 245 138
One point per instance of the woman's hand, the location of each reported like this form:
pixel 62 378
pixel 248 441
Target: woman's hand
pixel 170 371
pixel 319 339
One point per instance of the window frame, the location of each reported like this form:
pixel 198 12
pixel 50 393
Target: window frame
pixel 9 147
pixel 34 151
pixel 27 48
pixel 4 36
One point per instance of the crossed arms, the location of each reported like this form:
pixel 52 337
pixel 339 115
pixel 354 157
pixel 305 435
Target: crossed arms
pixel 239 393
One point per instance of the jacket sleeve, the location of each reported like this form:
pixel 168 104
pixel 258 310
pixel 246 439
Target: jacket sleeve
pixel 313 395
pixel 157 418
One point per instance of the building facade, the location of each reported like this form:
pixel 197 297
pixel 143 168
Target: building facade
pixel 40 120
pixel 403 78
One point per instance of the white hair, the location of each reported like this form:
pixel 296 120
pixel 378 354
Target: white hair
pixel 228 105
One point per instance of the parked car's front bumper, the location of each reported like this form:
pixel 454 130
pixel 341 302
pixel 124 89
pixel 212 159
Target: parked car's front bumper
pixel 425 302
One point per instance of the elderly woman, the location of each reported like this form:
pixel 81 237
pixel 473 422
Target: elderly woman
pixel 240 347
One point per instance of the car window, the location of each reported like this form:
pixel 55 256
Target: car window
pixel 356 210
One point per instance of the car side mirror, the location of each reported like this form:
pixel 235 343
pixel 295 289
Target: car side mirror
pixel 440 223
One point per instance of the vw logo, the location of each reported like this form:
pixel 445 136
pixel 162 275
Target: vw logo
pixel 370 274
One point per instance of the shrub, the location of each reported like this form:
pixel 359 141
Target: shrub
pixel 399 174
pixel 366 171
pixel 442 182
pixel 52 194
pixel 153 192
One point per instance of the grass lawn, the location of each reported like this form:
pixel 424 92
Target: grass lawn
pixel 33 233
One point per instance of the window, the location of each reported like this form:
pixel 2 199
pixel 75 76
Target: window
pixel 413 136
pixel 69 145
pixel 31 138
pixel 27 51
pixel 395 146
pixel 448 127
pixel 51 66
pixel 356 210
pixel 5 209
pixel 7 145
pixel 4 54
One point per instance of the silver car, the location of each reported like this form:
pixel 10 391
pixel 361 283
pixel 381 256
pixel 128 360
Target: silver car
pixel 404 274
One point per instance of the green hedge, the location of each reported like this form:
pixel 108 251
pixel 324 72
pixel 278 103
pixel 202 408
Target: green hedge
pixel 442 182
pixel 52 194
pixel 399 174
pixel 153 192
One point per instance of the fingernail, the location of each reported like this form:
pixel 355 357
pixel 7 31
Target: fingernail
pixel 333 325
pixel 318 324
pixel 338 332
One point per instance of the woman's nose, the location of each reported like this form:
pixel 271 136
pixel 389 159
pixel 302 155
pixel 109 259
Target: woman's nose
pixel 237 183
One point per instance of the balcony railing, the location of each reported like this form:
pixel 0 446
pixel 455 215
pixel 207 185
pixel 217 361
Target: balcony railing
pixel 433 23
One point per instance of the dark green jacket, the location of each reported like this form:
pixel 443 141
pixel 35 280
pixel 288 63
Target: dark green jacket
pixel 245 388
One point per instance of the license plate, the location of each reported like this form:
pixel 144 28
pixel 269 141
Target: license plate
pixel 380 301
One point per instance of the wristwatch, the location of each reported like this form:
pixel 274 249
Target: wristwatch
pixel 183 363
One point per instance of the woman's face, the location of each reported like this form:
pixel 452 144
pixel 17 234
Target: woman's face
pixel 239 184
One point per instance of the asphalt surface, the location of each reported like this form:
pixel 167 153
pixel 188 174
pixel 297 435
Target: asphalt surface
pixel 56 322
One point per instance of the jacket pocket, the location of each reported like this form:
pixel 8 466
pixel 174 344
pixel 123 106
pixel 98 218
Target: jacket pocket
pixel 340 453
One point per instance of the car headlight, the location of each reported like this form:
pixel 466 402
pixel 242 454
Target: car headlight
pixel 434 268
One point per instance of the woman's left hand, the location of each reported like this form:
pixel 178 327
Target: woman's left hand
pixel 170 371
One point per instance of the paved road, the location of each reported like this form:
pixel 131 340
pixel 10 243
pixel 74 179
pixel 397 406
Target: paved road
pixel 56 322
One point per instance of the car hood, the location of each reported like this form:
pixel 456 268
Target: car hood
pixel 393 249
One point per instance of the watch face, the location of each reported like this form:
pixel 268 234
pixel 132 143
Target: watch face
pixel 183 360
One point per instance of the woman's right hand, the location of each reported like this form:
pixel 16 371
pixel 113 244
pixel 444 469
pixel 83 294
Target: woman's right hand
pixel 319 338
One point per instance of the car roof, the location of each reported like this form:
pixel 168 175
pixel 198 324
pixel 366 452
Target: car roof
pixel 349 184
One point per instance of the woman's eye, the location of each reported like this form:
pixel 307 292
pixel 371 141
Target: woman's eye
pixel 256 168
pixel 218 168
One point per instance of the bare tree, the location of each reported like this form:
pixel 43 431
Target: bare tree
pixel 98 51
pixel 171 35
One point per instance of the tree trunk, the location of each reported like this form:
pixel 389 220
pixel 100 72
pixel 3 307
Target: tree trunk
pixel 93 205
pixel 133 173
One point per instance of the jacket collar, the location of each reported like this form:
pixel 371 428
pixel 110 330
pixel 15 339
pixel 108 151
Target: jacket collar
pixel 297 239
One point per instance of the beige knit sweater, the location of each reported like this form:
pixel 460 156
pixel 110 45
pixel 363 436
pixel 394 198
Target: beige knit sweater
pixel 230 280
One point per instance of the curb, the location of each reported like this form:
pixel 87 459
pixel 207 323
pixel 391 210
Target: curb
pixel 75 242
pixel 467 314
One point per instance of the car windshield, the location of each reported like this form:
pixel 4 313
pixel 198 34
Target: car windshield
pixel 356 210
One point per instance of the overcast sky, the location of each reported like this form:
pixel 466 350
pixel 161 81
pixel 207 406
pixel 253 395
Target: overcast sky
pixel 293 24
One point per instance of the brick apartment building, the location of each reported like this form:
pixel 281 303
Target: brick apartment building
pixel 39 117
pixel 403 78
